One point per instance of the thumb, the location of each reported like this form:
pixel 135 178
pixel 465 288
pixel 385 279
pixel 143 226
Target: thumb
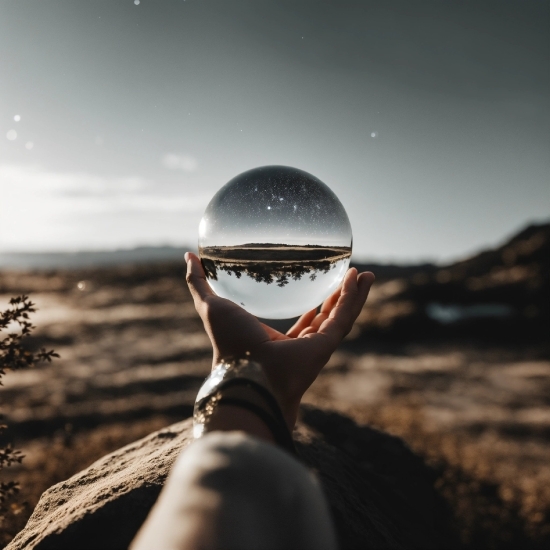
pixel 196 279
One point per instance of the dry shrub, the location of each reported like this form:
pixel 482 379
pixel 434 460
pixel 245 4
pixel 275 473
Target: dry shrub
pixel 16 326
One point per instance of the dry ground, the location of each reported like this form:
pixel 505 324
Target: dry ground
pixel 133 354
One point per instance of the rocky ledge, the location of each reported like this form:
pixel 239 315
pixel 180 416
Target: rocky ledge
pixel 381 494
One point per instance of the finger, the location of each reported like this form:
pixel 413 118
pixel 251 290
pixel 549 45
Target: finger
pixel 320 318
pixel 352 299
pixel 196 279
pixel 273 334
pixel 307 330
pixel 303 322
pixel 331 301
pixel 354 294
pixel 366 278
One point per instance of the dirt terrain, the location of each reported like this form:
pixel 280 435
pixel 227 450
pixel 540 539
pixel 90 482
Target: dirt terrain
pixel 454 360
pixel 274 253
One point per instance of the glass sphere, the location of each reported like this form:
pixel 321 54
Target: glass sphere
pixel 276 241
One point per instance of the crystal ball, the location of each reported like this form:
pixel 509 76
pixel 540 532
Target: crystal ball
pixel 275 240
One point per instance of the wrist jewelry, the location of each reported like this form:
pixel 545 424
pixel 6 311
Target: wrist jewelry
pixel 243 384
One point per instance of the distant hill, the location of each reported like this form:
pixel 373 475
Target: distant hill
pixel 503 293
pixel 76 260
pixel 283 245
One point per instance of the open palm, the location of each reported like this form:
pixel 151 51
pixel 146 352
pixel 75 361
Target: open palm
pixel 292 361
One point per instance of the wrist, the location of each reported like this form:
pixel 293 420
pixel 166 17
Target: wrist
pixel 289 410
pixel 230 418
pixel 240 385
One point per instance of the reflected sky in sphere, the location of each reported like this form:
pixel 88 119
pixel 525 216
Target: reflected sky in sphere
pixel 275 240
pixel 275 204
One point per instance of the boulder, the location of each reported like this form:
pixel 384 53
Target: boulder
pixel 380 493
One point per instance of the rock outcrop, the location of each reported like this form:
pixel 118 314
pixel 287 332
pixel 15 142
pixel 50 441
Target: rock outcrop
pixel 380 493
pixel 499 295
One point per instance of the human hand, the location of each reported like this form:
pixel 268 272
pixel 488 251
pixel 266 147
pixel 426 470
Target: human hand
pixel 291 361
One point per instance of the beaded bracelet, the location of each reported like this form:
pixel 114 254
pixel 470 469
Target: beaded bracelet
pixel 242 384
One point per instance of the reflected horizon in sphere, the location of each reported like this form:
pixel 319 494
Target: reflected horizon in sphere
pixel 275 240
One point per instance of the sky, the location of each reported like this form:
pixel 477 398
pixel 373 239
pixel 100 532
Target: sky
pixel 120 119
pixel 275 205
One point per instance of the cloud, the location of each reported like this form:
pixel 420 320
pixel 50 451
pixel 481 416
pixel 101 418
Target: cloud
pixel 180 162
pixel 34 184
pixel 38 205
pixel 36 180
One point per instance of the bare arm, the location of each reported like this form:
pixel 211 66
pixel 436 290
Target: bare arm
pixel 291 361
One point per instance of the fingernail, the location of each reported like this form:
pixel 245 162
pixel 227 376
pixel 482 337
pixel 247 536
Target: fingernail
pixel 368 277
pixel 186 256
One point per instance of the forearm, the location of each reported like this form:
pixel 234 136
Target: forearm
pixel 229 418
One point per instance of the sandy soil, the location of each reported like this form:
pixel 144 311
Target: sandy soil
pixel 133 354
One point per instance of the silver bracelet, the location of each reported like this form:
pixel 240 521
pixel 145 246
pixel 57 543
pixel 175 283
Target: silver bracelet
pixel 243 369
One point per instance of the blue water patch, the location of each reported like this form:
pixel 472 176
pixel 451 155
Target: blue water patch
pixel 451 313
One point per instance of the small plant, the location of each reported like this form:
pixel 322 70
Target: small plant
pixel 13 356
